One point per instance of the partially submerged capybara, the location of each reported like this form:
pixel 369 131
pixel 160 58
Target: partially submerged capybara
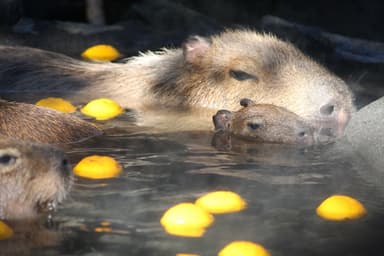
pixel 206 73
pixel 33 178
pixel 38 124
pixel 264 123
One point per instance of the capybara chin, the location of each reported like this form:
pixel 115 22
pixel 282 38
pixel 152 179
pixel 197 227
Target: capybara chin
pixel 33 178
pixel 38 124
pixel 210 73
pixel 264 123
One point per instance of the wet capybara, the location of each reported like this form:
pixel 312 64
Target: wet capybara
pixel 206 73
pixel 264 123
pixel 33 178
pixel 38 124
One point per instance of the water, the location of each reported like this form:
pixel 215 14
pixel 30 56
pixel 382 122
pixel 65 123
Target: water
pixel 282 185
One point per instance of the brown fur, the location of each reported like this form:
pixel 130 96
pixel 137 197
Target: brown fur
pixel 33 177
pixel 38 124
pixel 198 76
pixel 265 123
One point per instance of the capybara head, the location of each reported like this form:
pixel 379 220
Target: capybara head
pixel 33 178
pixel 244 64
pixel 43 125
pixel 264 123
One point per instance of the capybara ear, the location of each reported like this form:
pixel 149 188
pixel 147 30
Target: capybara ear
pixel 246 102
pixel 8 158
pixel 195 47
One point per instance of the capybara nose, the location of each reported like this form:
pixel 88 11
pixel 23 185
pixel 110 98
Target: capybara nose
pixel 327 109
pixel 336 117
pixel 222 120
pixel 65 167
pixel 305 135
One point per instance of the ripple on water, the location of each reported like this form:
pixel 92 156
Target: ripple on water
pixel 282 185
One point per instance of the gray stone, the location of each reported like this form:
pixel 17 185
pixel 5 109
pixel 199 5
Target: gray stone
pixel 365 132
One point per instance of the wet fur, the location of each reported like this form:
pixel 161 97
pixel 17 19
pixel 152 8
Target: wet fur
pixel 31 176
pixel 39 124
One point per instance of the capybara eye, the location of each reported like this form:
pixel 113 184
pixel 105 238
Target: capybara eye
pixel 254 126
pixel 7 159
pixel 241 75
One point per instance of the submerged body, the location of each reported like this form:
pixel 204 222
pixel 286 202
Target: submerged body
pixel 33 178
pixel 205 74
pixel 38 124
pixel 264 123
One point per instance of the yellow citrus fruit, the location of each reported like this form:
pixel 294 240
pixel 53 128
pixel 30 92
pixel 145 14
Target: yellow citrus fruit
pixel 186 219
pixel 101 52
pixel 243 248
pixel 340 207
pixel 5 231
pixel 102 109
pixel 97 167
pixel 221 202
pixel 58 104
pixel 105 223
pixel 103 229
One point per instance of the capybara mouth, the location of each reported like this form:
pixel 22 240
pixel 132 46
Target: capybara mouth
pixel 327 132
pixel 49 204
pixel 46 206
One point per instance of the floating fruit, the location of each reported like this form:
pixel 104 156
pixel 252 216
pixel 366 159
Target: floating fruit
pixel 58 104
pixel 186 219
pixel 105 223
pixel 5 231
pixel 101 52
pixel 341 207
pixel 103 229
pixel 97 167
pixel 221 202
pixel 243 248
pixel 102 109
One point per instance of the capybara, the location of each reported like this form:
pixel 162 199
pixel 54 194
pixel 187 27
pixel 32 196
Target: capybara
pixel 264 123
pixel 206 73
pixel 38 124
pixel 33 178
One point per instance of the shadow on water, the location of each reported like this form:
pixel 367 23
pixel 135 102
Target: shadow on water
pixel 283 185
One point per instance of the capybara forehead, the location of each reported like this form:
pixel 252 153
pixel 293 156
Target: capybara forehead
pixel 261 48
pixel 266 110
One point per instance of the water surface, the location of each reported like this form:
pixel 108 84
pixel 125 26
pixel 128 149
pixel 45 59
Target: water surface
pixel 282 185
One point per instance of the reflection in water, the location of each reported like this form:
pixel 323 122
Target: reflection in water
pixel 28 235
pixel 282 185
